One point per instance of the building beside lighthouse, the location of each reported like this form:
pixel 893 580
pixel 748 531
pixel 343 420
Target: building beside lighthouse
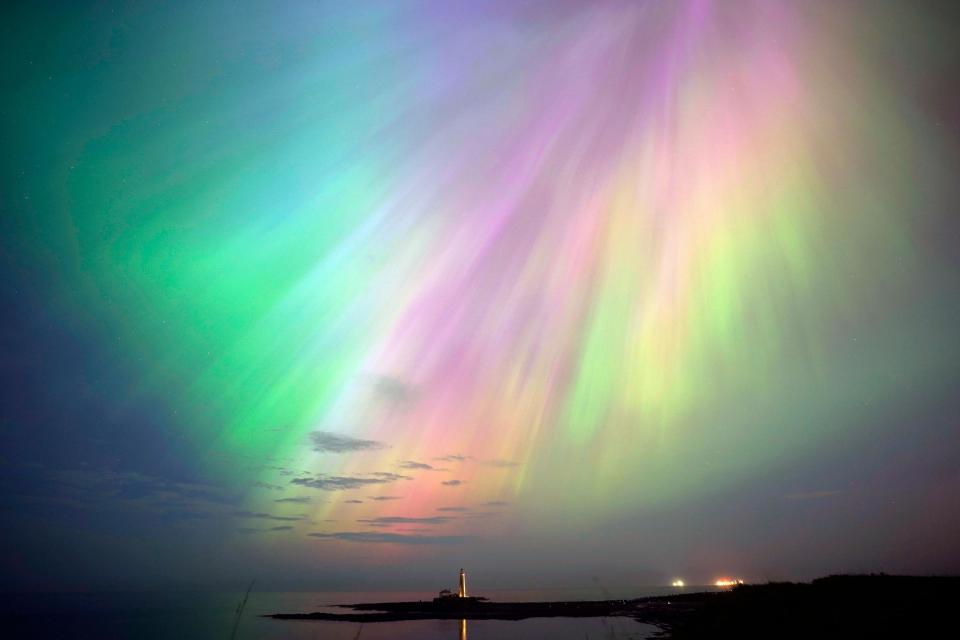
pixel 449 597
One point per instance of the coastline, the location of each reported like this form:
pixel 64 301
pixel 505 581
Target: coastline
pixel 876 606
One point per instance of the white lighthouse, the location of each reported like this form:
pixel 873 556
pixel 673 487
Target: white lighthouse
pixel 450 598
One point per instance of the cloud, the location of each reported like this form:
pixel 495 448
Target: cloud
pixel 498 463
pixel 353 501
pixel 453 509
pixel 297 500
pixel 410 464
pixel 495 503
pixel 327 442
pixel 254 530
pixel 135 486
pixel 452 483
pixel 267 516
pixel 106 491
pixel 384 498
pixel 453 457
pixel 385 521
pixel 342 483
pixel 377 537
pixel 267 486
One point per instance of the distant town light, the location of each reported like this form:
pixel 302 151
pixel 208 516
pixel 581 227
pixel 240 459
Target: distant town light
pixel 728 582
pixel 678 583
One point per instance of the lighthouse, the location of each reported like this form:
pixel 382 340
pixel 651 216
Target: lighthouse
pixel 459 598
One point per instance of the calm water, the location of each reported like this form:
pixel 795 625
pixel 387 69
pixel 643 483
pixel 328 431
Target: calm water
pixel 188 615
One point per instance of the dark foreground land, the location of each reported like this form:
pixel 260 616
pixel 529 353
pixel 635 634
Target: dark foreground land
pixel 874 606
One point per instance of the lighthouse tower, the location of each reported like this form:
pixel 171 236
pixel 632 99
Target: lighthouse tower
pixel 463 584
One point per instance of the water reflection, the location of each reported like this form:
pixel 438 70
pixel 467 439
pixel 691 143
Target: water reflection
pixel 189 615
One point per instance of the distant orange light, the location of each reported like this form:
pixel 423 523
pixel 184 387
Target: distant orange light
pixel 728 582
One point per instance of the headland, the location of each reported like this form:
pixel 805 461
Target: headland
pixel 874 606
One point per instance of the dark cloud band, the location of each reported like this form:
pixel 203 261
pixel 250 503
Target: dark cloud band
pixel 327 442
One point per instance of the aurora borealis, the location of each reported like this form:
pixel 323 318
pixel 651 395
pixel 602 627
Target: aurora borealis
pixel 345 288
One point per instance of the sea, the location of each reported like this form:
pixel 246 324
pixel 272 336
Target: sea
pixel 185 615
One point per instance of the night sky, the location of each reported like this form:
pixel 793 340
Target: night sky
pixel 353 294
